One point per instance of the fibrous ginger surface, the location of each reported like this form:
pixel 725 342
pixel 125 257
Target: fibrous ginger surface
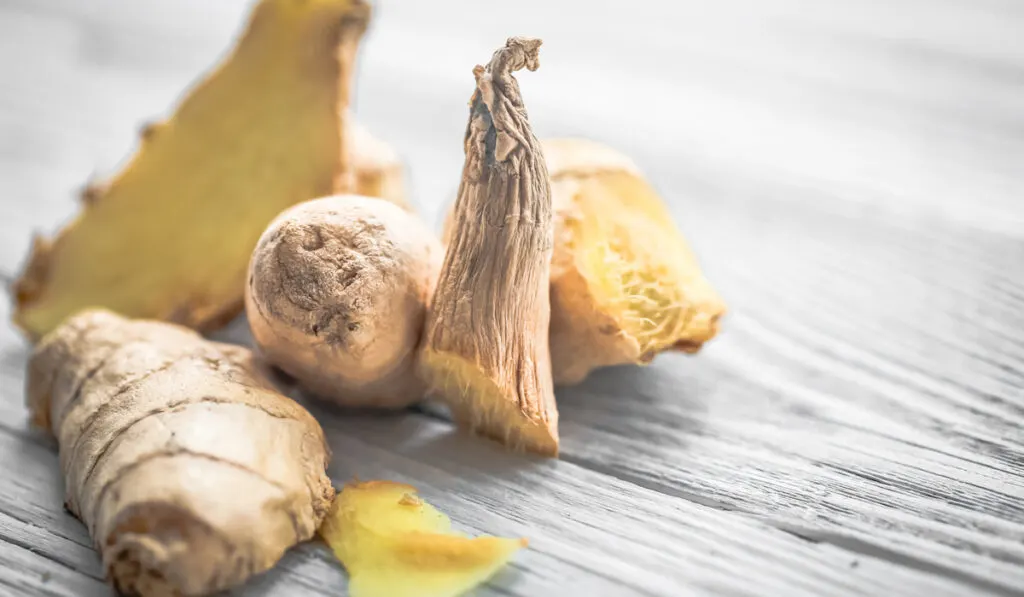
pixel 190 472
pixel 486 348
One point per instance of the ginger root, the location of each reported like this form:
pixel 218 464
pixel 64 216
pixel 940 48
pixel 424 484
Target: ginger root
pixel 394 544
pixel 337 296
pixel 378 168
pixel 625 285
pixel 486 346
pixel 189 471
pixel 169 237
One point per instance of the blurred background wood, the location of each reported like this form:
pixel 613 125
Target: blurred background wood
pixel 851 174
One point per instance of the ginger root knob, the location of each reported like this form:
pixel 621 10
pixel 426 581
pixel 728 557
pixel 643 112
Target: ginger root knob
pixel 337 295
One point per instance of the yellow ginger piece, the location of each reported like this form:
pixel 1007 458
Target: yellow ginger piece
pixel 625 285
pixel 394 544
pixel 169 237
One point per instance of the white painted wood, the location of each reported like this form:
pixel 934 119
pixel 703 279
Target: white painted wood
pixel 850 175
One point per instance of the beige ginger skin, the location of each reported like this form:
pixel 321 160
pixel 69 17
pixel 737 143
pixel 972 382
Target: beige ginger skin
pixel 337 296
pixel 486 345
pixel 191 473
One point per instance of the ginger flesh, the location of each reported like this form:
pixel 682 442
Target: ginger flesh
pixel 190 472
pixel 337 296
pixel 625 285
pixel 393 544
pixel 169 236
pixel 485 349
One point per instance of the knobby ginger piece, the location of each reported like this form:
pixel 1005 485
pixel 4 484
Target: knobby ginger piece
pixel 337 295
pixel 393 544
pixel 625 285
pixel 486 345
pixel 169 237
pixel 191 473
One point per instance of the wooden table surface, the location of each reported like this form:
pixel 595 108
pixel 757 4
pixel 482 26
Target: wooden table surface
pixel 851 174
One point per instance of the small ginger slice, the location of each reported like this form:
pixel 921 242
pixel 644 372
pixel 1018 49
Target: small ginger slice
pixel 485 349
pixel 393 544
pixel 337 295
pixel 169 237
pixel 191 473
pixel 624 283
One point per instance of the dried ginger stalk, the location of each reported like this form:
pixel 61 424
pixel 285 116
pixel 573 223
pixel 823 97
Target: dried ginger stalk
pixel 486 348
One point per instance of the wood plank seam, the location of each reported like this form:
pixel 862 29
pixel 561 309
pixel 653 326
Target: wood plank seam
pixel 850 544
pixel 30 548
pixel 33 525
pixel 863 547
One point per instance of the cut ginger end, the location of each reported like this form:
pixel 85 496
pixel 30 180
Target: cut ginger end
pixel 625 285
pixel 169 237
pixel 480 405
pixel 394 544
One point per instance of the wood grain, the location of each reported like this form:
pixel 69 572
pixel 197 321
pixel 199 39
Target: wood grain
pixel 27 573
pixel 849 174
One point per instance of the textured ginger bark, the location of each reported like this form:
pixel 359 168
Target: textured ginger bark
pixel 337 296
pixel 486 350
pixel 191 473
